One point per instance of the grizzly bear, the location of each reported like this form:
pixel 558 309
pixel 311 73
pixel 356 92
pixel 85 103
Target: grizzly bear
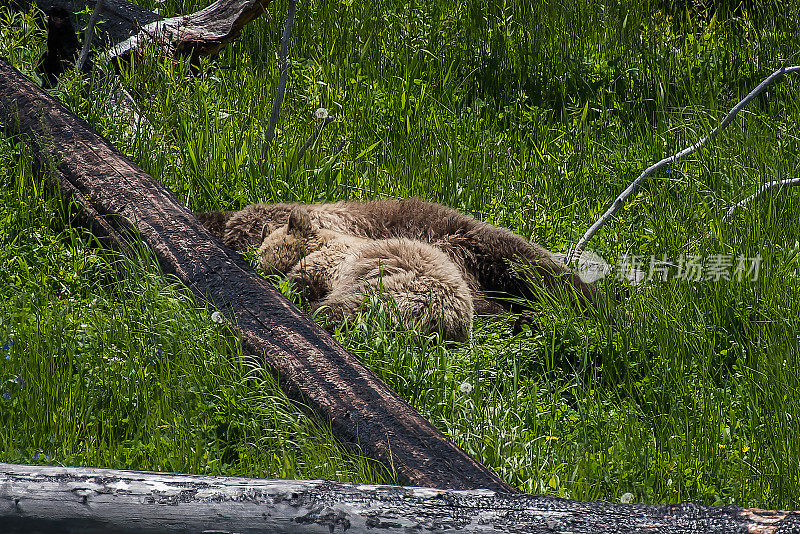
pixel 427 291
pixel 495 262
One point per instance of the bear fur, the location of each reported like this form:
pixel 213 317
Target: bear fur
pixel 495 262
pixel 339 270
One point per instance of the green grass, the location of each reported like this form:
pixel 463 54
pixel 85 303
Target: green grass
pixel 529 115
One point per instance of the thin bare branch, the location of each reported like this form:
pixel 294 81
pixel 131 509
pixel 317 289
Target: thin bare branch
pixel 315 135
pixel 758 194
pixel 284 53
pixel 87 41
pixel 620 200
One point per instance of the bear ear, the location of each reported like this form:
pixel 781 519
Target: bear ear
pixel 265 231
pixel 300 221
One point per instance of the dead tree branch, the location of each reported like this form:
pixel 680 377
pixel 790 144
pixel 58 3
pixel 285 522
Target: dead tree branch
pixel 203 33
pixel 284 57
pixel 758 194
pixel 131 29
pixel 87 42
pixel 620 200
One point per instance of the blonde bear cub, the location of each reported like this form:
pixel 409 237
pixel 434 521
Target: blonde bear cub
pixel 340 270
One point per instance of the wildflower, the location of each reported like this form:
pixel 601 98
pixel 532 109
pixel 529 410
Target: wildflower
pixel 551 438
pixel 721 446
pixel 465 388
pixel 21 382
pixel 8 344
pixel 7 396
pixel 217 317
pixel 321 113
pixel 35 456
pixel 745 448
pixel 626 498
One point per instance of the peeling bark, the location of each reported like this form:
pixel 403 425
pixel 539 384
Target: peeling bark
pixel 60 500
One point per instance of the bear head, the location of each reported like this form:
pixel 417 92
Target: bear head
pixel 283 248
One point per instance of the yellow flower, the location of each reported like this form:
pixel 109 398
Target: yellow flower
pixel 745 448
pixel 551 438
pixel 721 445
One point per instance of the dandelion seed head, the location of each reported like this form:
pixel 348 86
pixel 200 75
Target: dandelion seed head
pixel 465 387
pixel 321 113
pixel 217 317
pixel 626 498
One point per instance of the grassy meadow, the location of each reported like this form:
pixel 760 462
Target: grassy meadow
pixel 530 115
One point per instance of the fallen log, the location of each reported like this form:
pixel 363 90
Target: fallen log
pixel 118 198
pixel 60 500
pixel 130 29
pixel 203 33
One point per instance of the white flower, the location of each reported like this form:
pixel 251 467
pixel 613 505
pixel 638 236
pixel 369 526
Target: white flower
pixel 465 387
pixel 217 317
pixel 626 498
pixel 321 113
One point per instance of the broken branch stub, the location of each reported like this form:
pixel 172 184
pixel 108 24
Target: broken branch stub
pixel 202 33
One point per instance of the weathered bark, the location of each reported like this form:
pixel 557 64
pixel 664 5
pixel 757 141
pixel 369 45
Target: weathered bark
pixel 79 500
pixel 202 33
pixel 117 196
pixel 133 30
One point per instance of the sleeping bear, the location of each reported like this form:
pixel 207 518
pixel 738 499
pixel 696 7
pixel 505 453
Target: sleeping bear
pixel 426 290
pixel 498 265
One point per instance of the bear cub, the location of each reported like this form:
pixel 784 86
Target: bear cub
pixel 340 270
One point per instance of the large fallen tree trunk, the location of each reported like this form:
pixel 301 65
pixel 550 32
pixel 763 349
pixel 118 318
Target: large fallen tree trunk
pixel 117 197
pixel 60 500
pixel 133 30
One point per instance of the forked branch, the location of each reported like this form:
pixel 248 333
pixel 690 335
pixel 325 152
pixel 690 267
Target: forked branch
pixel 620 200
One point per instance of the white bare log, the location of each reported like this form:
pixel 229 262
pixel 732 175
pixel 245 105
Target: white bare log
pixel 60 500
